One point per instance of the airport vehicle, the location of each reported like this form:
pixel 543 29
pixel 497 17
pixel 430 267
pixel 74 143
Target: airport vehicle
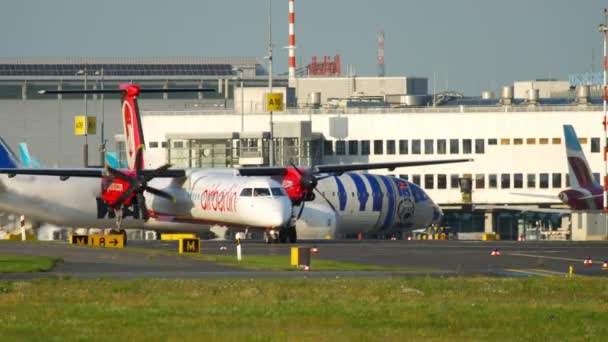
pixel 244 197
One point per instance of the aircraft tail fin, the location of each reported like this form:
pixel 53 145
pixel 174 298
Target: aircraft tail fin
pixel 26 159
pixel 578 168
pixel 8 159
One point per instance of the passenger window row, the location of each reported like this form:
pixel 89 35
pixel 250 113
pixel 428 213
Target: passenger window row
pixel 494 180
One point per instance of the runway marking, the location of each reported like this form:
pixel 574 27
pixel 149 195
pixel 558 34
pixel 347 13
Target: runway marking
pixel 539 272
pixel 545 257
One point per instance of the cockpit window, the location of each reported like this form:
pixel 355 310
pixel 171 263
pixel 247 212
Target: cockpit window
pixel 278 192
pixel 246 192
pixel 258 192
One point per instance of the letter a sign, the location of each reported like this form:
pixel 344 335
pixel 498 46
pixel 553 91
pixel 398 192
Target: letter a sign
pixel 274 102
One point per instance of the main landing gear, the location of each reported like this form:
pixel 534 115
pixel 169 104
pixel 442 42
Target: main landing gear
pixel 118 230
pixel 283 235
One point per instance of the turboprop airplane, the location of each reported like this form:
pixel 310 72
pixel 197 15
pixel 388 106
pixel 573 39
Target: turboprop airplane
pixel 245 197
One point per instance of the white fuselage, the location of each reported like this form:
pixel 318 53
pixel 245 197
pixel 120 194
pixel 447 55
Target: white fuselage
pixel 204 197
pixel 366 203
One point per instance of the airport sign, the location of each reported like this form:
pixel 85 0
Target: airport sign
pixel 189 246
pixel 81 129
pixel 274 102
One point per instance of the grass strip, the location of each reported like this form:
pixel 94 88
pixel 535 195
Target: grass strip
pixel 346 309
pixel 17 264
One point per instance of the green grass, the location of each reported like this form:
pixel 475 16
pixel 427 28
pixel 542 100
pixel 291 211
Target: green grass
pixel 13 264
pixel 386 309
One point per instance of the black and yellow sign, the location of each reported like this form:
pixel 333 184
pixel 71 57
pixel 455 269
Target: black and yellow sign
pixel 81 240
pixel 79 126
pixel 274 102
pixel 189 246
pixel 110 240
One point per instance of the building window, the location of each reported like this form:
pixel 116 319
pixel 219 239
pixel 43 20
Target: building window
pixel 442 146
pixel 505 181
pixel 163 144
pixel 340 147
pixel 596 177
pixel 543 181
pixel 492 181
pixel 595 145
pixel 518 141
pixel 454 146
pixel 505 141
pixel 364 147
pixel 582 141
pixel 531 180
pixel 454 181
pixel 390 147
pixel 479 146
pixel 378 146
pixel 415 146
pixel 153 144
pixel 556 180
pixel 467 146
pixel 403 147
pixel 556 141
pixel 480 181
pixel 416 179
pixel 492 141
pixel 428 146
pixel 442 182
pixel 404 177
pixel 428 182
pixel 328 147
pixel 531 141
pixel 178 144
pixel 353 147
pixel 567 177
pixel 543 141
pixel 518 180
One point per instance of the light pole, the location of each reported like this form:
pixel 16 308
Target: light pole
pixel 240 72
pixel 102 140
pixel 603 28
pixel 85 149
pixel 271 141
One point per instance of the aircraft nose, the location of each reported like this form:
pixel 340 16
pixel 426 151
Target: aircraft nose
pixel 279 213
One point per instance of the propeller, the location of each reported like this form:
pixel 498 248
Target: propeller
pixel 308 184
pixel 138 184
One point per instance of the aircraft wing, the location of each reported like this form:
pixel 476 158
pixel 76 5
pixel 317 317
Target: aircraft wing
pixel 341 168
pixel 85 172
pixel 525 209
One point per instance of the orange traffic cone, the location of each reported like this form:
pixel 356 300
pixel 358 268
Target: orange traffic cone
pixel 605 266
pixel 409 238
pixel 588 262
pixel 314 250
pixel 495 252
pixel 522 238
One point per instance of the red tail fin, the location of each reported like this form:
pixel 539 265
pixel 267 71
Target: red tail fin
pixel 134 136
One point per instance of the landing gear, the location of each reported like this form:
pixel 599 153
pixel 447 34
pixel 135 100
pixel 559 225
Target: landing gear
pixel 271 236
pixel 118 229
pixel 288 234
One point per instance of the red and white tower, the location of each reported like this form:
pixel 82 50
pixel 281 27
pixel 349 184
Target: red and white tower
pixel 603 28
pixel 381 71
pixel 292 44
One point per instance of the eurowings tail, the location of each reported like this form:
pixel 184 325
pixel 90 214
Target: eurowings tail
pixel 26 159
pixel 578 167
pixel 8 159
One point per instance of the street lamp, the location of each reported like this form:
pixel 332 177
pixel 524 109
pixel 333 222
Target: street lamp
pixel 102 140
pixel 85 149
pixel 240 72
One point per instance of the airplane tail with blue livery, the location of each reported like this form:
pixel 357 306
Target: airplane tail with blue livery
pixel 8 159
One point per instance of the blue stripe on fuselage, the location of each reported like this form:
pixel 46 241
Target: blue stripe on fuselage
pixel 402 187
pixel 376 192
pixel 391 203
pixel 341 194
pixel 362 194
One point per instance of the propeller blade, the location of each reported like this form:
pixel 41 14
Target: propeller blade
pixel 301 210
pixel 123 197
pixel 160 193
pixel 141 200
pixel 158 172
pixel 119 174
pixel 326 200
pixel 139 158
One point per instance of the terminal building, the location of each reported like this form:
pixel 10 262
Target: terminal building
pixel 516 142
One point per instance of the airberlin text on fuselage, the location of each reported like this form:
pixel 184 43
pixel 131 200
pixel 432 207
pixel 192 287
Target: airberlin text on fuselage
pixel 214 199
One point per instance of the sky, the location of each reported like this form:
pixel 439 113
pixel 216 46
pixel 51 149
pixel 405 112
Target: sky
pixel 464 45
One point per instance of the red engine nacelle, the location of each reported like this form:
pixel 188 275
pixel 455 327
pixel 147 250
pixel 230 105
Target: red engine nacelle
pixel 292 183
pixel 112 188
